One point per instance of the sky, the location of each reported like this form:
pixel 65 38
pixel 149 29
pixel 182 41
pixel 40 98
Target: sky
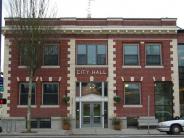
pixel 117 8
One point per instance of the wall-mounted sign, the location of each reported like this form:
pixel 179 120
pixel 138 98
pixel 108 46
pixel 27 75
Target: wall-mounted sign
pixel 90 71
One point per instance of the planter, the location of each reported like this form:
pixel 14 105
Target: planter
pixel 117 99
pixel 66 99
pixel 116 123
pixel 66 123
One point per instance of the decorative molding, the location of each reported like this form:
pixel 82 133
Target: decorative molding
pixel 111 77
pixel 132 106
pixel 175 77
pixel 41 79
pixel 132 78
pixel 59 78
pixel 50 79
pixel 131 66
pixel 141 78
pixel 154 79
pixel 163 78
pixel 122 78
pixel 27 79
pixel 18 79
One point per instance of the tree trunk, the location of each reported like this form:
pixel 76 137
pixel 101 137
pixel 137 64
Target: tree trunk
pixel 29 102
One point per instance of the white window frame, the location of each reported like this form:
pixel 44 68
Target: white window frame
pixel 161 62
pixel 47 105
pixel 20 105
pixel 130 44
pixel 140 92
pixel 51 66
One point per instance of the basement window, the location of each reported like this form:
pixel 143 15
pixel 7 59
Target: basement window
pixel 41 123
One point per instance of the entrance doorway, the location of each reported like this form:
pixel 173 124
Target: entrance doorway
pixel 91 115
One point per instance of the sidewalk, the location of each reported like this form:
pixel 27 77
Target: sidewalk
pixel 87 131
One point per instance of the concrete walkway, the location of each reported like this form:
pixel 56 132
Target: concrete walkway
pixel 88 131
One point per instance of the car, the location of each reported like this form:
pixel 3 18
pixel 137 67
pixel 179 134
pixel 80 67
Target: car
pixel 172 127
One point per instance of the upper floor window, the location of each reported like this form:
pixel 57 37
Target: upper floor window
pixel 153 54
pixel 91 54
pixel 51 55
pixel 23 55
pixel 50 93
pixel 181 55
pixel 132 94
pixel 23 93
pixel 131 56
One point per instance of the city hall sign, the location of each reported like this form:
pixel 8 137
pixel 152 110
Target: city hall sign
pixel 91 71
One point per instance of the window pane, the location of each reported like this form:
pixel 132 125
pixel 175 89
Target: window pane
pixel 24 87
pixel 91 54
pixel 51 55
pixel 81 55
pixel 181 55
pixel 50 94
pixel 101 54
pixel 132 93
pixel 153 50
pixel 153 56
pixel 130 50
pixel 131 55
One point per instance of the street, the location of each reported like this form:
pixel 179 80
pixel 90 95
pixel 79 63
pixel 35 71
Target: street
pixel 96 136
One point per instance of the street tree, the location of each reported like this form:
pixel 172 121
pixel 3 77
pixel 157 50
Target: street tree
pixel 29 37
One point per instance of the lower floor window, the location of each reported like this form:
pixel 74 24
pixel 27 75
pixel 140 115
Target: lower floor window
pixel 132 93
pixel 50 93
pixel 41 123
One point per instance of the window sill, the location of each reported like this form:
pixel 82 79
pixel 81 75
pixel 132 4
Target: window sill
pixel 91 66
pixel 22 67
pixel 49 106
pixel 25 106
pixel 154 66
pixel 133 106
pixel 124 66
pixel 51 67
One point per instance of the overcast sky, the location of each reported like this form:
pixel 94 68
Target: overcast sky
pixel 118 8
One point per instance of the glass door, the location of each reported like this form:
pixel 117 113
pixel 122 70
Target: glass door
pixel 91 115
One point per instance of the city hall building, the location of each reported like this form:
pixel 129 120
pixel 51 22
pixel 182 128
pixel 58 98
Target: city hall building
pixel 95 62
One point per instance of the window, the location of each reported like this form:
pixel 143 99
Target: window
pixel 23 55
pixel 51 55
pixel 163 101
pixel 41 123
pixel 91 55
pixel 132 94
pixel 153 56
pixel 131 54
pixel 23 91
pixel 96 88
pixel 181 55
pixel 50 93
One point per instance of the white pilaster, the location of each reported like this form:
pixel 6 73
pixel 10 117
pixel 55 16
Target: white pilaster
pixel 7 49
pixel 71 76
pixel 175 78
pixel 111 77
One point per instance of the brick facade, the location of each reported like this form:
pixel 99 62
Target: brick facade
pixel 97 31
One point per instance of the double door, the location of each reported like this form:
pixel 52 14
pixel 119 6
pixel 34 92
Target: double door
pixel 91 115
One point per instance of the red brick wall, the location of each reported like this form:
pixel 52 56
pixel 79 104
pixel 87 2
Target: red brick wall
pixel 44 73
pixel 147 85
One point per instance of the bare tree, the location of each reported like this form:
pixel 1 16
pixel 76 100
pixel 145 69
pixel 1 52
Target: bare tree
pixel 28 33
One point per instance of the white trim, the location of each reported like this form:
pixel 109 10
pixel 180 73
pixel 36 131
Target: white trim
pixel 25 106
pixel 91 66
pixel 22 67
pixel 125 66
pixel 132 106
pixel 175 77
pixel 111 77
pixel 49 106
pixel 154 67
pixel 50 67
